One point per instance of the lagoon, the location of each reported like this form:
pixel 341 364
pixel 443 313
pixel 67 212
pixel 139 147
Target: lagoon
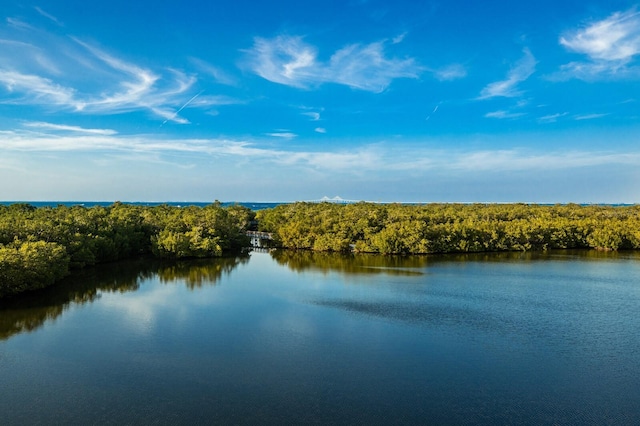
pixel 288 337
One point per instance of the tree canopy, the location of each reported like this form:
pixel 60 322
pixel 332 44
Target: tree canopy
pixel 38 246
pixel 450 228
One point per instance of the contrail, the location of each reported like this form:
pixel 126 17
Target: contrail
pixel 433 112
pixel 181 108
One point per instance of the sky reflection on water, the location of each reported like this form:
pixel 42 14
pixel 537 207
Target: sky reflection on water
pixel 297 337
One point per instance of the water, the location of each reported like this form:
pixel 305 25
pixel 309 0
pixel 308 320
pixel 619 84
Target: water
pixel 253 205
pixel 302 338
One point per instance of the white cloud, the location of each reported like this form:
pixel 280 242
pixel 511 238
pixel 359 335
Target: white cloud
pixel 504 114
pixel 284 135
pixel 552 118
pixel 315 116
pixel 290 61
pixel 139 90
pixel 366 68
pixel 217 73
pixel 48 16
pixel 204 100
pixel 33 88
pixel 510 160
pixel 399 38
pixel 589 116
pixel 610 45
pixel 508 88
pixel 616 38
pixel 18 44
pixel 320 130
pixel 17 23
pixel 275 60
pixel 451 72
pixel 47 70
pixel 66 128
pixel 380 157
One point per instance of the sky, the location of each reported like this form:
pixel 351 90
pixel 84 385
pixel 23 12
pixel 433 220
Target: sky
pixel 390 101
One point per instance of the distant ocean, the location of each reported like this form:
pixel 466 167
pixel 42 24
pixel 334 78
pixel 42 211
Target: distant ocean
pixel 252 205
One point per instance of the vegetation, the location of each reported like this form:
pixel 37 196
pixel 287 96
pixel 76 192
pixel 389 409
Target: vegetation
pixel 450 228
pixel 38 246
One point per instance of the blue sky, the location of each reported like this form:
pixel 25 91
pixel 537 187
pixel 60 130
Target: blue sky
pixel 453 101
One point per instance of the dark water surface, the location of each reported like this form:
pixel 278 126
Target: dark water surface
pixel 296 338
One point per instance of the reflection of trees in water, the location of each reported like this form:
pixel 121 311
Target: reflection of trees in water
pixel 301 260
pixel 30 311
pixel 532 256
pixel 197 273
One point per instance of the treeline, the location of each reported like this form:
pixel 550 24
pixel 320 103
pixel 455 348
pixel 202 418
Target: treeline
pixel 38 246
pixel 450 228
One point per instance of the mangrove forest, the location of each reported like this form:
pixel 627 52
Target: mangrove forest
pixel 39 246
pixel 450 228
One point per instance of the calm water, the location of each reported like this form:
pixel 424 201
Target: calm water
pixel 255 206
pixel 296 338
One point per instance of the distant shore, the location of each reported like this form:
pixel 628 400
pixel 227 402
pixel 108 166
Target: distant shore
pixel 260 205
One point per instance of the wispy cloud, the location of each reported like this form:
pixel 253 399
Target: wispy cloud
pixel 509 160
pixel 141 90
pixel 521 71
pixel 47 70
pixel 285 60
pixel 589 116
pixel 291 61
pixel 380 157
pixel 399 38
pixel 140 81
pixel 320 130
pixel 313 115
pixel 609 44
pixel 143 148
pixel 450 72
pixel 552 118
pixel 502 114
pixel 283 134
pixel 219 75
pixel 67 128
pixel 31 88
pixel 17 23
pixel 48 16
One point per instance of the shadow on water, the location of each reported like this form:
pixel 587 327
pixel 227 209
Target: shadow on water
pixel 302 260
pixel 28 312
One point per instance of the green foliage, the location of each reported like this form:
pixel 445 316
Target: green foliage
pixel 193 243
pixel 39 245
pixel 447 228
pixel 31 265
pixel 200 232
